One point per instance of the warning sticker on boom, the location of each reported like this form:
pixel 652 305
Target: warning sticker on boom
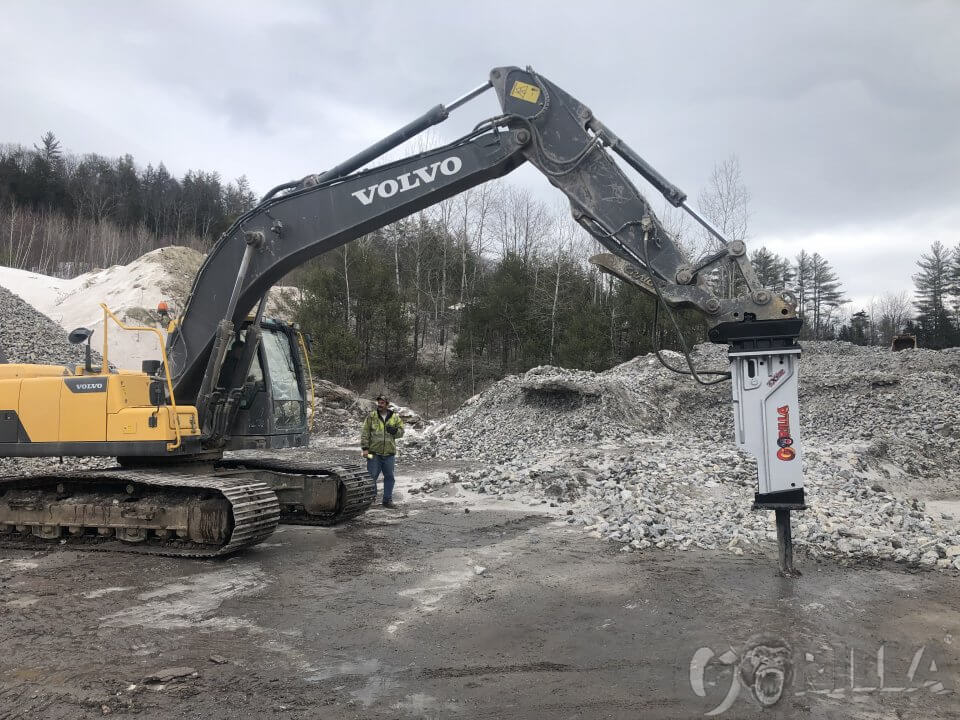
pixel 525 91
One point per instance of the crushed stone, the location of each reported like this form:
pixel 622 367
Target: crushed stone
pixel 29 336
pixel 646 458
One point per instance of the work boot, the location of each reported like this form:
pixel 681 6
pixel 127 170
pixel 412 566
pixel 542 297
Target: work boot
pixel 388 504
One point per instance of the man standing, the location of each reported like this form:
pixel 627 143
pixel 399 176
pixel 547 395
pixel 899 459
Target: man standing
pixel 378 445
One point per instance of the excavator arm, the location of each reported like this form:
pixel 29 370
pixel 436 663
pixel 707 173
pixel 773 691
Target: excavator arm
pixel 541 124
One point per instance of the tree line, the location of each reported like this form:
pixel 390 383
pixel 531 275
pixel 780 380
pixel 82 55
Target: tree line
pixel 932 316
pixel 492 281
pixel 487 283
pixel 495 281
pixel 65 214
pixel 937 289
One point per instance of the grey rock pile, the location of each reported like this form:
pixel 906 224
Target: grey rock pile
pixel 646 458
pixel 27 336
pixel 338 411
pixel 545 409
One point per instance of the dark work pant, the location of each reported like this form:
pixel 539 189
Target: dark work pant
pixel 384 464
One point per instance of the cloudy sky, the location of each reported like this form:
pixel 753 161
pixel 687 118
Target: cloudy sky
pixel 845 116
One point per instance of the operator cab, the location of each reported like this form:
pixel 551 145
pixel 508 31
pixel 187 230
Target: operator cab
pixel 273 403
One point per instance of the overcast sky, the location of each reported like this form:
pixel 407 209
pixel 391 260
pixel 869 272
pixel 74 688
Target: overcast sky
pixel 845 116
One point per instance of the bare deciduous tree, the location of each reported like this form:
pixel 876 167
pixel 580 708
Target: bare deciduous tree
pixel 680 226
pixel 891 313
pixel 522 223
pixel 725 203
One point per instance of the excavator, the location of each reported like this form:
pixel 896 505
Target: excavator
pixel 229 378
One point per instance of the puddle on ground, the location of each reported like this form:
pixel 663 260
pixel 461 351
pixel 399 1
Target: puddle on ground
pixel 378 680
pixel 437 587
pixel 20 564
pixel 22 602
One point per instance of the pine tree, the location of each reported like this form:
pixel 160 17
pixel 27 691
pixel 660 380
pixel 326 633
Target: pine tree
pixel 802 279
pixel 860 328
pixel 773 271
pixel 51 151
pixel 933 283
pixel 238 197
pixel 46 182
pixel 825 295
pixel 953 288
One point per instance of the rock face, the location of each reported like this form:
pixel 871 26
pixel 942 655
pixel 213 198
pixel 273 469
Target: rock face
pixel 644 457
pixel 27 336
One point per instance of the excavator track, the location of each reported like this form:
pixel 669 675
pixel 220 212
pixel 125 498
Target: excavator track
pixel 355 492
pixel 136 511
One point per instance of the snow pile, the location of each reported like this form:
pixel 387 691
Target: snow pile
pixel 646 458
pixel 132 293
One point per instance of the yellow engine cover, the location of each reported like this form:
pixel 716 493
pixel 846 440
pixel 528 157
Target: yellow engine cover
pixel 45 404
pixel 13 371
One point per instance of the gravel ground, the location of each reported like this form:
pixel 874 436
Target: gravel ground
pixel 458 607
pixel 432 612
pixel 646 458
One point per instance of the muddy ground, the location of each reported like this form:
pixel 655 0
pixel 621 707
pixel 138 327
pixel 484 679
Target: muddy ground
pixel 435 612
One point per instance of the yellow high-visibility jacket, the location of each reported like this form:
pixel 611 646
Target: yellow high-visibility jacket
pixel 374 436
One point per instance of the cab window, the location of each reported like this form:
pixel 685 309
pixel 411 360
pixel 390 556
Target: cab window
pixel 288 401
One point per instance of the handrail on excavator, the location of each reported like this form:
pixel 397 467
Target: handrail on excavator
pixel 107 313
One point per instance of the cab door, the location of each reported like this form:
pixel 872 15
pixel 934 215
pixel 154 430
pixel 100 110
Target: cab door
pixel 289 407
pixel 273 406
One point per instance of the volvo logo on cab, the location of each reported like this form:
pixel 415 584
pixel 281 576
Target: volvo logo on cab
pixel 408 181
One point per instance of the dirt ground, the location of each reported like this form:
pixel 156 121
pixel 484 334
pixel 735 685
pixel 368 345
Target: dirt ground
pixel 436 612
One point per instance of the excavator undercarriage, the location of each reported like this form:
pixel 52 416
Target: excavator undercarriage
pixel 183 514
pixel 198 509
